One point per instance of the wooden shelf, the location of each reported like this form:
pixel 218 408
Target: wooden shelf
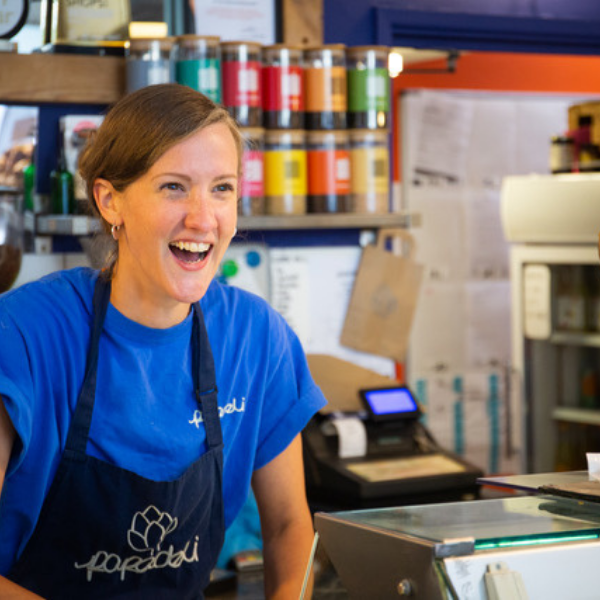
pixel 61 78
pixel 83 225
pixel 329 221
pixel 586 416
pixel 576 339
pixel 66 225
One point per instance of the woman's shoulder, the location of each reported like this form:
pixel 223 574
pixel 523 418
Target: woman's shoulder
pixel 62 293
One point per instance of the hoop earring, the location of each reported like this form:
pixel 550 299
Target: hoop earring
pixel 114 231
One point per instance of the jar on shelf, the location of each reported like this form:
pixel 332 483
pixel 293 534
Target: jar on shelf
pixel 252 197
pixel 562 154
pixel 282 87
pixel 589 158
pixel 328 160
pixel 241 82
pixel 369 170
pixel 198 64
pixel 325 87
pixel 368 87
pixel 285 172
pixel 149 62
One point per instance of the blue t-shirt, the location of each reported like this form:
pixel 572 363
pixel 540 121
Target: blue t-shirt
pixel 145 416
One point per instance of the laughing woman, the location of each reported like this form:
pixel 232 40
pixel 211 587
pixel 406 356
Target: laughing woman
pixel 139 404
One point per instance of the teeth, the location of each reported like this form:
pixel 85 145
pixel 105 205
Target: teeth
pixel 191 246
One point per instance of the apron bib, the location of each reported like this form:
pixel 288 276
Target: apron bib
pixel 106 532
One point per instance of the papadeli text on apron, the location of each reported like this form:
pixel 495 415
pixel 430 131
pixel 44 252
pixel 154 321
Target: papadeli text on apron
pixel 148 530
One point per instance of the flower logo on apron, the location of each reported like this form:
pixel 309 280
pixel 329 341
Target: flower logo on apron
pixel 149 529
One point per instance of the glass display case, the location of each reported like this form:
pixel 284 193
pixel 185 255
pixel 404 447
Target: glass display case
pixel 466 550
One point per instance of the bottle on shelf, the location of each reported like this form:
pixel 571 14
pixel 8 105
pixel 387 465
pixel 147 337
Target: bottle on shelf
pixel 29 203
pixel 62 189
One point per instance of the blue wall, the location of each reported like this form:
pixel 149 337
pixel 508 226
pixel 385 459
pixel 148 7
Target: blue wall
pixel 549 26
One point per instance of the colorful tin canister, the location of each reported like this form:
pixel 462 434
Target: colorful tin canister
pixel 241 81
pixel 285 172
pixel 198 64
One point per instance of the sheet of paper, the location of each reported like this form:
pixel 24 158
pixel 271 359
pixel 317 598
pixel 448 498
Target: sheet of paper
pixel 442 145
pixel 485 419
pixel 492 139
pixel 290 289
pixel 440 242
pixel 248 20
pixel 488 324
pixel 488 251
pixel 438 332
pixel 440 397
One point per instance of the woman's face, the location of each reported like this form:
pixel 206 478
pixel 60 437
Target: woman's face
pixel 177 222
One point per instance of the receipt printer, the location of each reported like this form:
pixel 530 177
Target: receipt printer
pixel 380 455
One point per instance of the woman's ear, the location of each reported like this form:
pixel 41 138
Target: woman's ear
pixel 105 197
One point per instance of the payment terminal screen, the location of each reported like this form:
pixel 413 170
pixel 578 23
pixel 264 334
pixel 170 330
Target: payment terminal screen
pixel 391 401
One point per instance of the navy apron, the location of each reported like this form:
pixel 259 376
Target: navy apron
pixel 106 532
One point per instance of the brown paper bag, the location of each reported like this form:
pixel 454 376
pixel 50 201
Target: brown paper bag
pixel 383 299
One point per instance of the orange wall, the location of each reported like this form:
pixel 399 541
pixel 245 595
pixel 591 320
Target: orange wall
pixel 501 72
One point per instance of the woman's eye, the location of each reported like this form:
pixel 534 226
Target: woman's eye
pixel 172 187
pixel 224 187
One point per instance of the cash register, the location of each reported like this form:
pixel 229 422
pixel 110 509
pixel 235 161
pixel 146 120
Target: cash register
pixel 374 451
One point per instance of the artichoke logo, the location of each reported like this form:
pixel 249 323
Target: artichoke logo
pixel 149 529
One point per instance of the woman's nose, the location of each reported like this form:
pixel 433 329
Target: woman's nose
pixel 200 213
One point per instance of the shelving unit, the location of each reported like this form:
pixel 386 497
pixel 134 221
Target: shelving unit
pixel 61 78
pixel 591 340
pixel 54 79
pixel 583 416
pixel 84 225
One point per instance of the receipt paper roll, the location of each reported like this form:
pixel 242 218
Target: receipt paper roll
pixel 352 437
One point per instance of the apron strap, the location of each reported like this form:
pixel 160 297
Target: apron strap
pixel 205 385
pixel 82 418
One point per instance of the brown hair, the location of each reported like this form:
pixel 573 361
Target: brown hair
pixel 141 127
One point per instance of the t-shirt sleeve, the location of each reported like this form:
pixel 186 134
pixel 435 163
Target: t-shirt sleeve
pixel 291 395
pixel 16 386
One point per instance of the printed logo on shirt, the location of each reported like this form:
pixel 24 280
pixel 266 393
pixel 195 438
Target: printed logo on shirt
pixel 146 535
pixel 232 407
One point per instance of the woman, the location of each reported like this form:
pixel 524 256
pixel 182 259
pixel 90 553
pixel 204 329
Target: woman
pixel 139 404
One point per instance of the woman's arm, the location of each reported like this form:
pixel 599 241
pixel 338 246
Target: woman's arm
pixel 7 438
pixel 8 589
pixel 285 522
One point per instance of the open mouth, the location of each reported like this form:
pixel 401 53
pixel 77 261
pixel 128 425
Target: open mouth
pixel 190 252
